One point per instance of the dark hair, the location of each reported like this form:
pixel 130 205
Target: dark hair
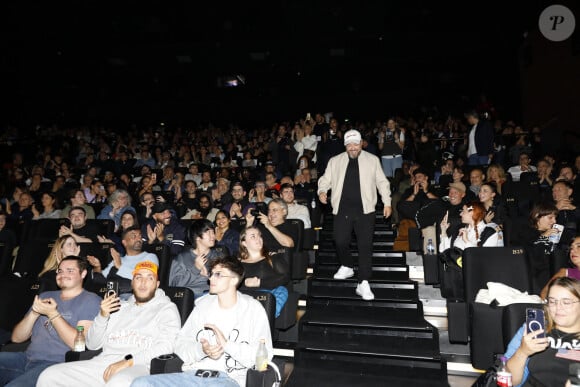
pixel 286 185
pixel 231 263
pixel 197 229
pixel 127 231
pixel 243 253
pixel 492 185
pixel 82 263
pixel 541 209
pixel 78 208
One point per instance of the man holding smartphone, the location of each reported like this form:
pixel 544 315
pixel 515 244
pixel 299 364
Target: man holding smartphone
pixel 222 334
pixel 129 333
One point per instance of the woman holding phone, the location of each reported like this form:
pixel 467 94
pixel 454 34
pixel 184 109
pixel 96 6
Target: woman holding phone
pixel 537 358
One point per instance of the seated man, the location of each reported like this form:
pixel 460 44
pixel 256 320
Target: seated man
pixel 164 228
pixel 121 268
pixel 523 167
pixel 50 325
pixel 295 210
pixel 222 333
pixel 276 232
pixel 190 268
pixel 79 229
pixel 130 334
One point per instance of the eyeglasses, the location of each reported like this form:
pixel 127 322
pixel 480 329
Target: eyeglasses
pixel 219 274
pixel 563 302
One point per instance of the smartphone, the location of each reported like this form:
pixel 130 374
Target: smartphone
pixel 207 373
pixel 209 335
pixel 535 321
pixel 154 176
pixel 112 288
pixel 308 117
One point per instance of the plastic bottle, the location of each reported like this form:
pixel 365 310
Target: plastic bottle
pixel 504 377
pixel 313 203
pixel 79 340
pixel 262 356
pixel 430 247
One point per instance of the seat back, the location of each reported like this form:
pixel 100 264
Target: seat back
pixel 298 233
pixel 42 229
pixel 164 256
pixel 507 265
pixel 268 301
pixel 5 258
pixel 183 298
pixel 103 226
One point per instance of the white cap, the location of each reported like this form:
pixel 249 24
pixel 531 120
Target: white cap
pixel 352 137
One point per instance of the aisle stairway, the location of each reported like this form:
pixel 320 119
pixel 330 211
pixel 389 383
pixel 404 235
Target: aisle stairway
pixel 345 341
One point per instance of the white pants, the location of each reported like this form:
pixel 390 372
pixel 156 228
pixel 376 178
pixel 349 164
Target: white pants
pixel 88 373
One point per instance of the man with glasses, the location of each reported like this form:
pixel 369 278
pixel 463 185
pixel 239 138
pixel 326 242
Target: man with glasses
pixel 130 334
pixel 50 325
pixel 276 232
pixel 222 333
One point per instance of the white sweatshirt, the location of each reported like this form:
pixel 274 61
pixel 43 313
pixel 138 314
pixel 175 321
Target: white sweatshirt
pixel 144 331
pixel 243 326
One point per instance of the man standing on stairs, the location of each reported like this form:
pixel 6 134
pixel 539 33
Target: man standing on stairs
pixel 354 177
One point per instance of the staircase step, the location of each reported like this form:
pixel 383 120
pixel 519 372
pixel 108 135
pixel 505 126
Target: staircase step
pixel 325 368
pixel 396 317
pixel 345 289
pixel 380 258
pixel 383 273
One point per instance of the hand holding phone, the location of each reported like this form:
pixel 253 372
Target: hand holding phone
pixel 535 321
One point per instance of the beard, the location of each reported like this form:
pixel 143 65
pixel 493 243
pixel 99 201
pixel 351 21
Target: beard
pixel 145 298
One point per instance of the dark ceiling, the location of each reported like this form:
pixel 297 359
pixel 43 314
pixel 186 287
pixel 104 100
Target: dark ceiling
pixel 95 60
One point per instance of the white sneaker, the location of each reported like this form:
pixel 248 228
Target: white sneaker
pixel 364 290
pixel 344 272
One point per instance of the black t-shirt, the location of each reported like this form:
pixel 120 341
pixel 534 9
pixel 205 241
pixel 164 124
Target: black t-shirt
pixel 548 369
pixel 89 230
pixel 270 242
pixel 350 200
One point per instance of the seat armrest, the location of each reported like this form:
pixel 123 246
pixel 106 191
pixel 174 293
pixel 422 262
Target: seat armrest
pixel 85 355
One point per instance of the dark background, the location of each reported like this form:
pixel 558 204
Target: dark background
pixel 164 61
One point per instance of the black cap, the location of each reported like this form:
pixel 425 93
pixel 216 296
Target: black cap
pixel 160 207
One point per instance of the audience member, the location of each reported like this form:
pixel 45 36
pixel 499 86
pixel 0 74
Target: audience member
pixel 277 233
pixel 524 166
pixel 121 267
pixel 50 325
pixel 164 228
pixel 222 333
pixel 225 235
pixel 191 267
pixel 295 210
pixel 129 333
pixel 78 199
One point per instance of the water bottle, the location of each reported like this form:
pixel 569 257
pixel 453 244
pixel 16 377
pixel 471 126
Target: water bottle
pixel 262 357
pixel 430 247
pixel 313 203
pixel 504 377
pixel 79 340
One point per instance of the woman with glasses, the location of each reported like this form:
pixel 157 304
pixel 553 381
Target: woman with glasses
pixel 535 360
pixel 572 272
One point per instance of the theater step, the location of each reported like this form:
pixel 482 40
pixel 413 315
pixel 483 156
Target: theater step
pixel 367 345
pixel 385 273
pixel 379 258
pixel 345 289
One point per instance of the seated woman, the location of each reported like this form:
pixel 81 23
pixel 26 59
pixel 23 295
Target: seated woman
pixel 494 209
pixel 261 269
pixel 119 202
pixel 128 219
pixel 496 174
pixel 476 233
pixel 538 239
pixel 49 207
pixel 63 247
pixel 78 199
pixel 532 360
pixel 224 234
pixel 572 272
